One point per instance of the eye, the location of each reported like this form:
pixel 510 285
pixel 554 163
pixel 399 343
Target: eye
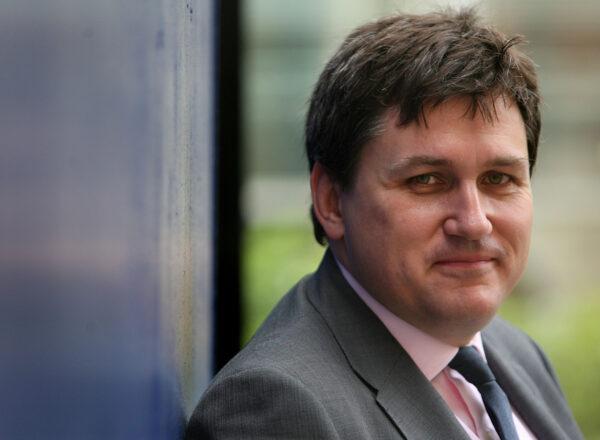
pixel 425 179
pixel 426 183
pixel 496 178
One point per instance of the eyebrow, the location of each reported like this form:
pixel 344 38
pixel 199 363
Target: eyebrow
pixel 415 161
pixel 433 161
pixel 508 161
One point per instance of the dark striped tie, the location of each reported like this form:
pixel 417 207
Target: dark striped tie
pixel 471 365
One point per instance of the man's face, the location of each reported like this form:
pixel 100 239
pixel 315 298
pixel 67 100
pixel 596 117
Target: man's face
pixel 437 223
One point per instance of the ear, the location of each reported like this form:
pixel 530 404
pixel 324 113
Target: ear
pixel 326 195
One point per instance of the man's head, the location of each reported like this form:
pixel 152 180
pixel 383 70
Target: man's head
pixel 407 63
pixel 421 136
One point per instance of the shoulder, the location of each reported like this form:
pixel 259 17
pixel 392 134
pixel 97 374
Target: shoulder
pixel 295 378
pixel 239 403
pixel 294 333
pixel 274 387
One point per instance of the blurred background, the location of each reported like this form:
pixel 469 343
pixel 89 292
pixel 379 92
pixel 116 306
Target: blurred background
pixel 285 46
pixel 154 197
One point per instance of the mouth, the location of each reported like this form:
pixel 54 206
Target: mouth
pixel 467 265
pixel 466 260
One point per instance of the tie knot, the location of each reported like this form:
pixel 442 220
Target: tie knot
pixel 471 365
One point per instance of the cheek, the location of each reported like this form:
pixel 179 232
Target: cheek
pixel 514 224
pixel 399 224
pixel 365 222
pixel 379 214
pixel 420 221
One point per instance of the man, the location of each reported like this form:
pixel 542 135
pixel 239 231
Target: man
pixel 421 136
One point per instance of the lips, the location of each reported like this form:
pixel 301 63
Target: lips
pixel 465 267
pixel 465 260
pixel 465 264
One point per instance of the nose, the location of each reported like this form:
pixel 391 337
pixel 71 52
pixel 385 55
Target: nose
pixel 467 218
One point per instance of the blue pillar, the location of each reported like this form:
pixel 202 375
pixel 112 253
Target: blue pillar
pixel 106 183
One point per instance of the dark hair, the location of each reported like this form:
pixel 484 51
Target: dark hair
pixel 411 62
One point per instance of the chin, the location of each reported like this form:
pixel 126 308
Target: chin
pixel 470 309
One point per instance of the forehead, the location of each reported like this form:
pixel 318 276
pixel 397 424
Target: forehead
pixel 452 133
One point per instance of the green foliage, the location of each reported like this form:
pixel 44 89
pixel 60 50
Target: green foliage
pixel 274 259
pixel 567 328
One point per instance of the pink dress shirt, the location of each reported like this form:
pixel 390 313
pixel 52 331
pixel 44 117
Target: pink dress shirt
pixel 432 357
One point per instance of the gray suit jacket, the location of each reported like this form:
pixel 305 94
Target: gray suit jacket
pixel 323 366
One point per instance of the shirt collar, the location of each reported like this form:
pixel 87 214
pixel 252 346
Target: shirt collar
pixel 429 354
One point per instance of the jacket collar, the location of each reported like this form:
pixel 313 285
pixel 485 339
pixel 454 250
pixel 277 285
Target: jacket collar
pixel 403 392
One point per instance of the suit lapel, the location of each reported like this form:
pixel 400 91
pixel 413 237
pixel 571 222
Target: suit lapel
pixel 523 394
pixel 415 406
pixel 406 396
